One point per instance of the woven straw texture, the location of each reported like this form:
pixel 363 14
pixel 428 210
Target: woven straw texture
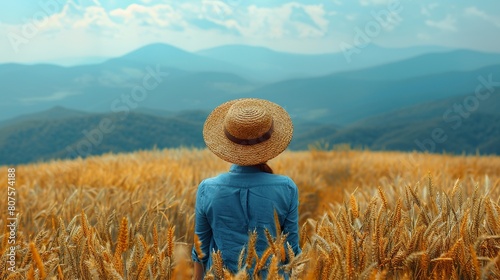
pixel 248 119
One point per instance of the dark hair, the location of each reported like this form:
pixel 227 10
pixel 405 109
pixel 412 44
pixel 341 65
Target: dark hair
pixel 264 167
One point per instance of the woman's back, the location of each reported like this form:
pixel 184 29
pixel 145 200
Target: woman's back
pixel 233 204
pixel 246 132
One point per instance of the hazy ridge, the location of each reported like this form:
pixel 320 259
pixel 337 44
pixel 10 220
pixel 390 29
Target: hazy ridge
pixel 393 103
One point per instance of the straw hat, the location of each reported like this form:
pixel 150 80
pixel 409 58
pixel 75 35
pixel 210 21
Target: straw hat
pixel 248 131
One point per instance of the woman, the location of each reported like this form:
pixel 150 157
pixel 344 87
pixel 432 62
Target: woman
pixel 246 132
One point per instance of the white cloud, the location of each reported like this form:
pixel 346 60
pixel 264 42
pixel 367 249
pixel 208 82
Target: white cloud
pixel 94 16
pixel 447 24
pixel 216 7
pixel 269 21
pixel 76 16
pixel 276 22
pixel 317 14
pixel 131 12
pixel 87 28
pixel 161 15
pixel 474 11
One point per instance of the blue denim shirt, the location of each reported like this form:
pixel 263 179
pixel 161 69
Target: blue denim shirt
pixel 233 204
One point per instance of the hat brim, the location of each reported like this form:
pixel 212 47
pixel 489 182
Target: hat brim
pixel 221 146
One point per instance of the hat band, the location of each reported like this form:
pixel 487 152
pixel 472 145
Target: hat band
pixel 248 142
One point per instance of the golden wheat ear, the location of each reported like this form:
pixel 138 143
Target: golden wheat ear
pixel 251 251
pixel 38 263
pixel 218 265
pixel 170 241
pixel 121 246
pixel 197 247
pixel 277 224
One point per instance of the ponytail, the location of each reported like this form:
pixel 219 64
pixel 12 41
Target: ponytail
pixel 264 167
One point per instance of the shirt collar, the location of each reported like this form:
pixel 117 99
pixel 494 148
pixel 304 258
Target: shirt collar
pixel 243 169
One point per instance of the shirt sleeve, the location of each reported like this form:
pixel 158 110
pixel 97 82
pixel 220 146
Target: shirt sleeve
pixel 291 224
pixel 201 228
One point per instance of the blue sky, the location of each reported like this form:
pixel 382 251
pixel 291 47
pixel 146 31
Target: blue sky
pixel 45 30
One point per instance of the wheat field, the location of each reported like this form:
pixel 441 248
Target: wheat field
pixel 363 215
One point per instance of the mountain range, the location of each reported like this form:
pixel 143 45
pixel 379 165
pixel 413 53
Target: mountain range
pixel 73 133
pixel 382 99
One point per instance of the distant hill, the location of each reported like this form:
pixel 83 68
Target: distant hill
pixel 280 65
pixel 55 113
pixel 173 57
pixel 82 136
pixel 346 100
pixel 427 65
pixel 311 134
pixel 202 80
pixel 76 61
pixel 437 126
pixel 62 133
pixel 30 88
pixel 167 93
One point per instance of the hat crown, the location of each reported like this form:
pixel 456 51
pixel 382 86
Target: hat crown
pixel 247 119
pixel 248 131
